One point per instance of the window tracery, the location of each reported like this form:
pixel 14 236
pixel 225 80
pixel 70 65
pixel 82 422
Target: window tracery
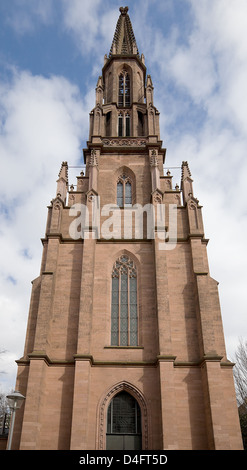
pixel 124 89
pixel 124 316
pixel 124 191
pixel 123 124
pixel 123 415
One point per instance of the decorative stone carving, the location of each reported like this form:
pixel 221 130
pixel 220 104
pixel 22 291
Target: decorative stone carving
pixel 91 197
pixel 62 182
pixel 193 202
pixel 192 205
pixel 168 185
pixel 124 265
pixel 93 158
pixel 193 208
pixel 57 206
pixel 157 197
pixel 124 179
pixel 123 386
pixel 64 171
pixel 124 10
pixel 124 142
pixel 71 199
pixel 153 158
pixel 185 170
pixel 57 203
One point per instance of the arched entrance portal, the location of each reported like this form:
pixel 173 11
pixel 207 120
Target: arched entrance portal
pixel 123 423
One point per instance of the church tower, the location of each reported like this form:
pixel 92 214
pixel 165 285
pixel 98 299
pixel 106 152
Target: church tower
pixel 125 346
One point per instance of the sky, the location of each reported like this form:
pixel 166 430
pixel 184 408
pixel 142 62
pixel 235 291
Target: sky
pixel 51 54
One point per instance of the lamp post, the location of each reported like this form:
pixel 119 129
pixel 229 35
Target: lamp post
pixel 15 401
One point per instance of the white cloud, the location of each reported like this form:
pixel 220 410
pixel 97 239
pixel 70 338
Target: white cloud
pixel 205 77
pixel 43 123
pixel 91 24
pixel 212 67
pixel 219 184
pixel 24 16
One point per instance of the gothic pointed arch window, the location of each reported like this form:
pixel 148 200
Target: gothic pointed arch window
pixel 123 124
pixel 108 124
pixel 127 125
pixel 123 423
pixel 124 191
pixel 124 89
pixel 120 125
pixel 124 307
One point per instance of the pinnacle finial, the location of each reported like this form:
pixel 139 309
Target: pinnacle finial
pixel 63 173
pixel 124 42
pixel 124 10
pixel 185 170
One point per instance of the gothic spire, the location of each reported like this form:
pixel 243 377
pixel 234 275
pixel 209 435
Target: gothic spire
pixel 124 42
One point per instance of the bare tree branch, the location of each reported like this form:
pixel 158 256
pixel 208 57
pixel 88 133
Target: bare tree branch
pixel 240 373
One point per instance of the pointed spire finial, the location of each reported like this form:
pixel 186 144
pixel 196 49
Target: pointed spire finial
pixel 124 42
pixel 185 170
pixel 124 10
pixel 62 182
pixel 186 182
pixel 63 173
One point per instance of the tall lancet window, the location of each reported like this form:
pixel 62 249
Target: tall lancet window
pixel 120 125
pixel 127 125
pixel 123 124
pixel 124 316
pixel 124 191
pixel 124 90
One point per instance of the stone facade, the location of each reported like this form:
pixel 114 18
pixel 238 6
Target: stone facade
pixel 177 371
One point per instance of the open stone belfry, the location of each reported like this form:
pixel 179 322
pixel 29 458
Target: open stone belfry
pixel 125 346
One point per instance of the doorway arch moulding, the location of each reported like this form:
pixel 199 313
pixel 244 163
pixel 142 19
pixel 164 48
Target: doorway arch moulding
pixel 103 407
